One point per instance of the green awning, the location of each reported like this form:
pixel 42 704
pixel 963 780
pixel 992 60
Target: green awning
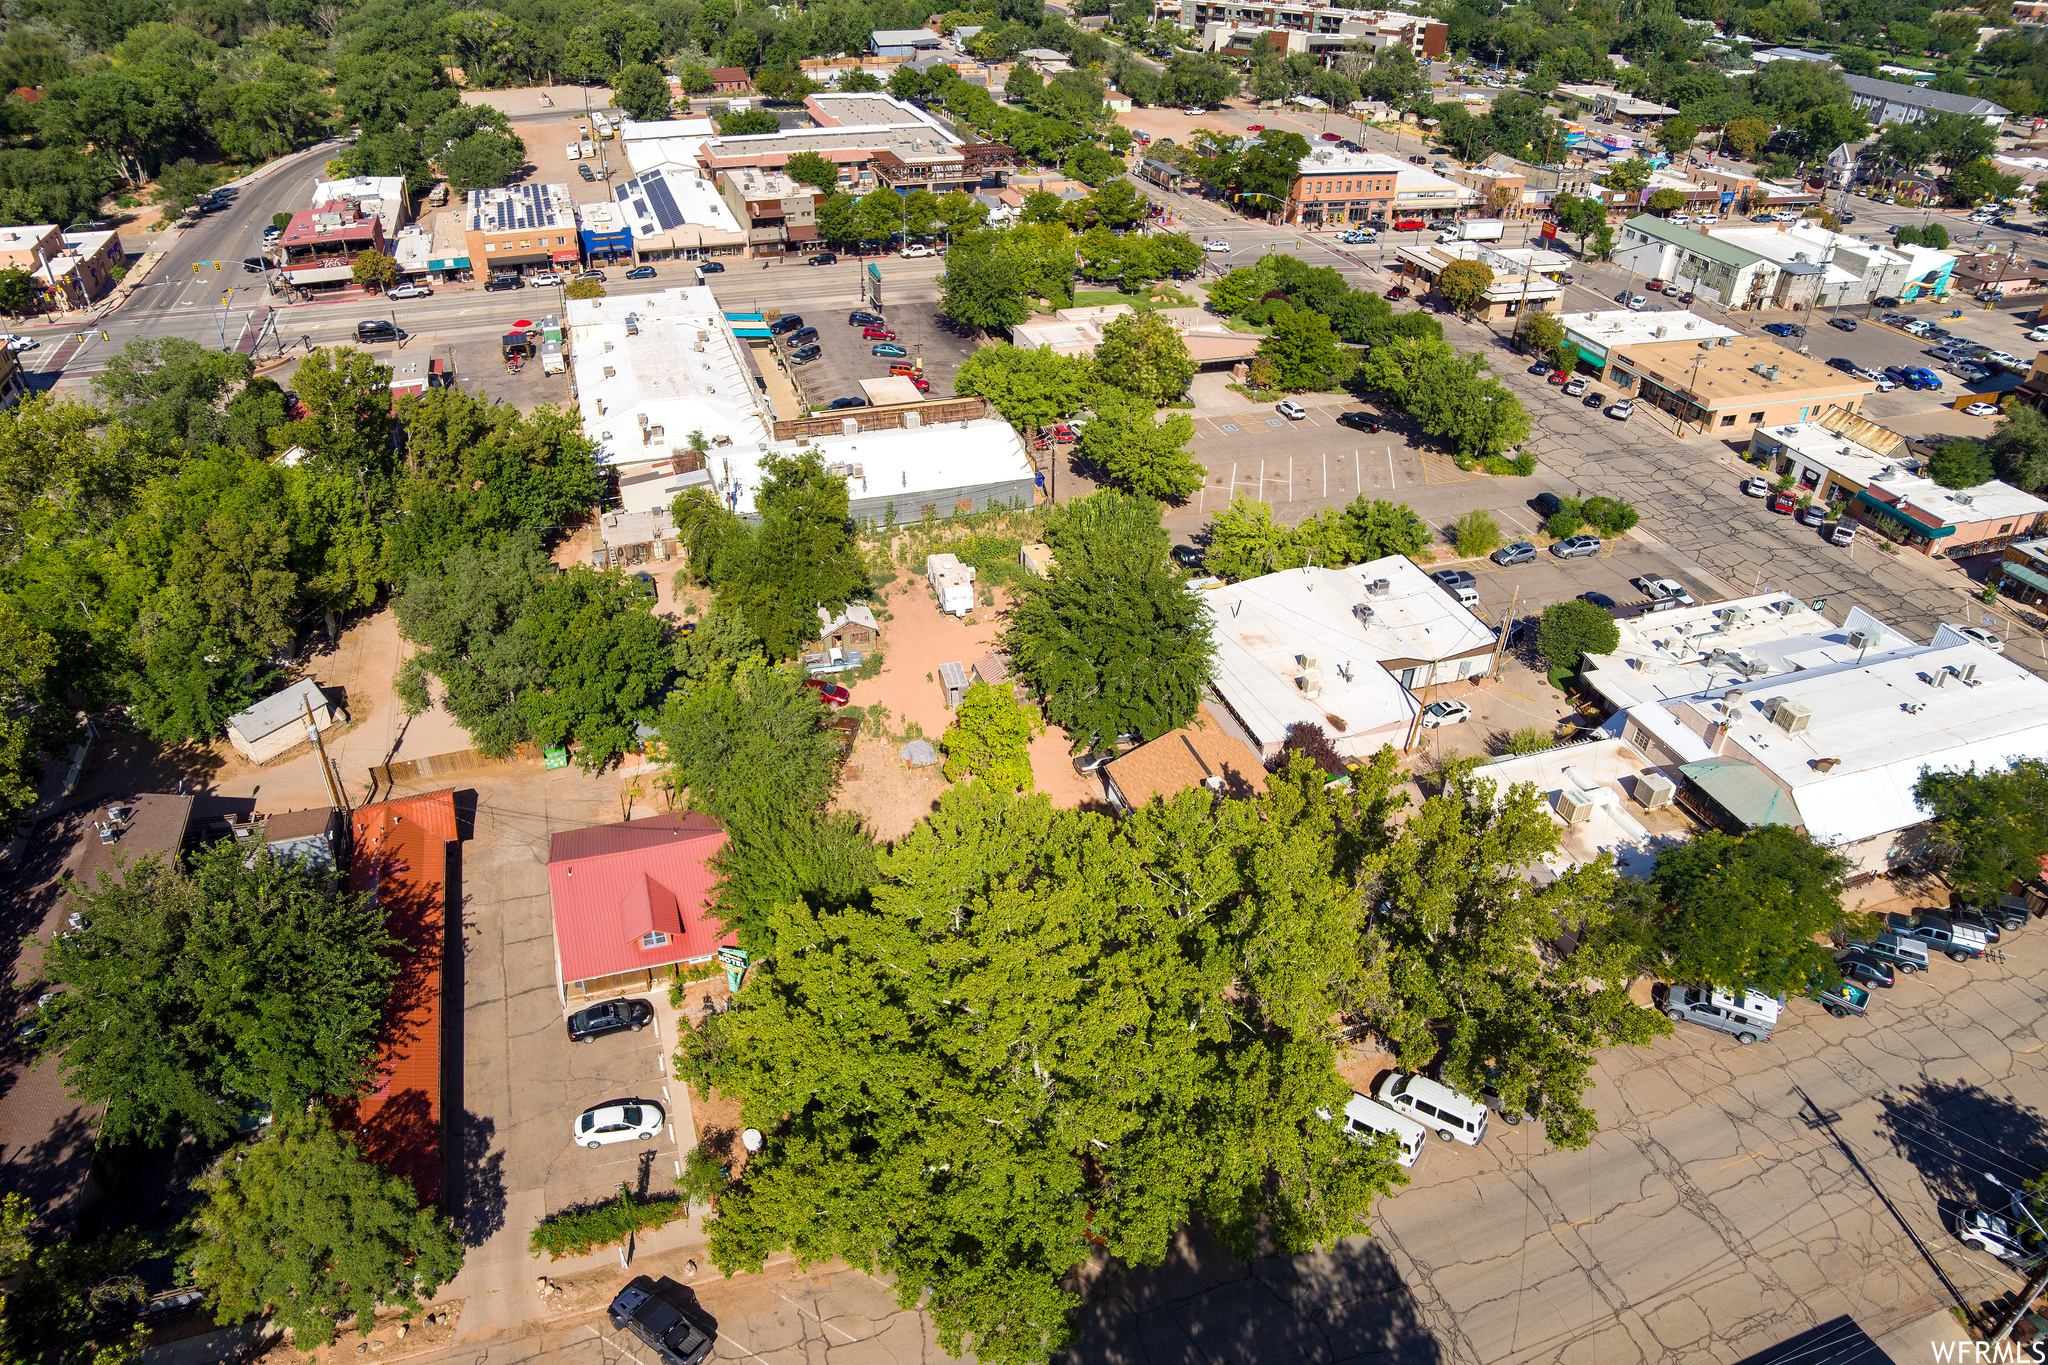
pixel 1743 792
pixel 1931 532
pixel 2033 578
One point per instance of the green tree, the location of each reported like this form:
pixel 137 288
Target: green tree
pixel 984 285
pixel 69 1292
pixel 1976 181
pixel 173 389
pixel 34 719
pixel 718 648
pixel 990 738
pixel 1958 464
pixel 2019 448
pixel 1628 177
pixel 303 1228
pixel 603 664
pixel 1666 201
pixel 1676 135
pixel 803 555
pixel 373 268
pixel 808 168
pixel 182 999
pixel 17 291
pixel 1306 353
pixel 1144 356
pixel 978 1182
pixel 1450 394
pixel 1478 533
pixel 1138 454
pixel 1746 135
pixel 1988 830
pixel 1464 284
pixel 1573 628
pixel 1030 388
pixel 1753 911
pixel 858 82
pixel 740 122
pixel 1461 930
pixel 583 289
pixel 1113 642
pixel 468 621
pixel 1235 292
pixel 753 740
pixel 484 160
pixel 642 92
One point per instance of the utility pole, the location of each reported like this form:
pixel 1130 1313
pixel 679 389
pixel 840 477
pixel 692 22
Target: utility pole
pixel 1507 621
pixel 334 792
pixel 1415 725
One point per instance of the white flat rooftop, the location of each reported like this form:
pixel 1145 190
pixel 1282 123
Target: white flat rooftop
pixel 1608 771
pixel 1620 327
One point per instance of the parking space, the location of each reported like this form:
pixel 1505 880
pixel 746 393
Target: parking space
pixel 848 357
pixel 623 1068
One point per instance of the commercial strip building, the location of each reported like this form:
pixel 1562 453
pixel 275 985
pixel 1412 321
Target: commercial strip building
pixel 1726 383
pixel 1759 711
pixel 1885 102
pixel 383 196
pixel 653 369
pixel 1604 796
pixel 320 245
pixel 1595 335
pixel 1317 29
pixel 521 229
pixel 1843 458
pixel 2022 572
pixel 69 269
pixel 1078 332
pixel 1354 651
pixel 1334 187
pixel 1525 280
pixel 1749 266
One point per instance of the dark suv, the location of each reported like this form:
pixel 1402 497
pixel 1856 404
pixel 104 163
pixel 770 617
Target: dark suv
pixel 783 326
pixel 800 336
pixel 675 1338
pixel 498 282
pixel 613 1016
pixel 376 329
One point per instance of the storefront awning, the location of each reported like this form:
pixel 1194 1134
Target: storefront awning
pixel 2033 578
pixel 1931 532
pixel 452 263
pixel 567 256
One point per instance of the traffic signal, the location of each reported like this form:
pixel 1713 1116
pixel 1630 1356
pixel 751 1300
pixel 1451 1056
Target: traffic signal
pixel 216 267
pixel 195 267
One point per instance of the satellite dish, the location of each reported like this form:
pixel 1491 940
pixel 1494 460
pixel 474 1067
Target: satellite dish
pixel 750 1138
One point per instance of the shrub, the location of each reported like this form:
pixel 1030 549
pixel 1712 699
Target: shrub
pixel 1571 628
pixel 1564 523
pixel 1610 515
pixel 580 1231
pixel 1530 741
pixel 1477 533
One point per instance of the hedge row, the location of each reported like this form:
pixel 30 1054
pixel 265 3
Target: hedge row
pixel 579 1231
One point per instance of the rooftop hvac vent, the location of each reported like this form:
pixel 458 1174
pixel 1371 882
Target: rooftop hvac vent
pixel 1734 616
pixel 1864 639
pixel 1363 613
pixel 1968 674
pixel 1826 765
pixel 1312 683
pixel 1791 716
pixel 1574 807
pixel 1724 341
pixel 1660 332
pixel 1890 471
pixel 1655 791
pixel 1379 587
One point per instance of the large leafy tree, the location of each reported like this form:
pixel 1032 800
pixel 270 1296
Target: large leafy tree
pixel 190 995
pixel 757 734
pixel 1572 628
pixel 173 389
pixel 1031 388
pixel 1113 641
pixel 33 718
pixel 1016 1046
pixel 990 737
pixel 604 663
pixel 1143 355
pixel 1464 284
pixel 468 622
pixel 803 554
pixel 2019 448
pixel 301 1226
pixel 1450 394
pixel 1754 910
pixel 1245 541
pixel 808 168
pixel 1497 978
pixel 985 286
pixel 1303 348
pixel 1989 828
pixel 1138 454
pixel 642 92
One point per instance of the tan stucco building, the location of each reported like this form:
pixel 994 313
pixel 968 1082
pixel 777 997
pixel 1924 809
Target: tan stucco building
pixel 1732 384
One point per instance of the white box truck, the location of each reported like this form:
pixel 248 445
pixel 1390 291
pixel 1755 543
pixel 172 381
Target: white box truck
pixel 1475 230
pixel 952 582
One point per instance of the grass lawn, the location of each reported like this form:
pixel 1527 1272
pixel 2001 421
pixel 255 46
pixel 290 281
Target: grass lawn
pixel 1144 303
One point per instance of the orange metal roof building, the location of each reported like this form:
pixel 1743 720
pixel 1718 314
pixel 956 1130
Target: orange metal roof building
pixel 404 856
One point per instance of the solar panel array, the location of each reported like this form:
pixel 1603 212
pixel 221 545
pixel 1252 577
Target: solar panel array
pixel 652 189
pixel 521 208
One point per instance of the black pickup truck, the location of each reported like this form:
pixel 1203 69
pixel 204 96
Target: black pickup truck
pixel 675 1337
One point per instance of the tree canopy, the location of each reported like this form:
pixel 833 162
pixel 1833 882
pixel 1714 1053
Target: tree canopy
pixel 1989 828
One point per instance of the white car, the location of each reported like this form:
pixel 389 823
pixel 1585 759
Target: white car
pixel 1885 385
pixel 2038 334
pixel 409 291
pixel 609 1123
pixel 1756 488
pixel 1672 588
pixel 1215 246
pixel 23 344
pixel 1982 1230
pixel 1708 218
pixel 1291 410
pixel 1679 218
pixel 1981 636
pixel 917 249
pixel 1981 410
pixel 545 277
pixel 1445 713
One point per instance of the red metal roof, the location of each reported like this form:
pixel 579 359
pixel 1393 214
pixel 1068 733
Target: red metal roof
pixel 403 853
pixel 613 884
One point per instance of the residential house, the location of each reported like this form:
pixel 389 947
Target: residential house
pixel 2022 572
pixel 851 627
pixel 633 899
pixel 1356 651
pixel 522 229
pixel 277 724
pixel 730 80
pixel 1732 382
pixel 311 838
pixel 1203 755
pixel 1847 165
pixel 405 860
pixel 1885 102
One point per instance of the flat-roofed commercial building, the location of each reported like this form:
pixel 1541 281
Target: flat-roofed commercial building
pixel 1731 384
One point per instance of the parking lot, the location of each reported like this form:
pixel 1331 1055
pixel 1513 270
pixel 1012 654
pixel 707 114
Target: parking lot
pixel 848 358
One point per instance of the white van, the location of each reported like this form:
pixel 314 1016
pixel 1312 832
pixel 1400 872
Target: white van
pixel 1364 1117
pixel 1435 1105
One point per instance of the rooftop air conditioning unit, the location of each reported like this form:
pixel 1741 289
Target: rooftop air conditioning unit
pixel 1968 674
pixel 1574 807
pixel 1312 683
pixel 1379 587
pixel 1770 372
pixel 1939 678
pixel 1363 613
pixel 1734 616
pixel 1792 717
pixel 1753 668
pixel 1660 332
pixel 1864 639
pixel 1655 791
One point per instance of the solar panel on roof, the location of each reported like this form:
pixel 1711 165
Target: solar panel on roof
pixel 665 211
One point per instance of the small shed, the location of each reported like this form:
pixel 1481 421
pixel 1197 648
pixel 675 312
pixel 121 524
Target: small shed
pixel 1037 558
pixel 991 669
pixel 276 725
pixel 954 679
pixel 311 838
pixel 853 627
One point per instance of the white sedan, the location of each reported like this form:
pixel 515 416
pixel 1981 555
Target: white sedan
pixel 1445 713
pixel 1215 246
pixel 1981 636
pixel 23 344
pixel 635 1122
pixel 1756 488
pixel 1981 410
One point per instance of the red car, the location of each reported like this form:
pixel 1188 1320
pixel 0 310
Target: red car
pixel 1560 377
pixel 829 693
pixel 876 334
pixel 1330 137
pixel 920 383
pixel 1399 291
pixel 1409 225
pixel 1655 286
pixel 1782 502
pixel 1255 127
